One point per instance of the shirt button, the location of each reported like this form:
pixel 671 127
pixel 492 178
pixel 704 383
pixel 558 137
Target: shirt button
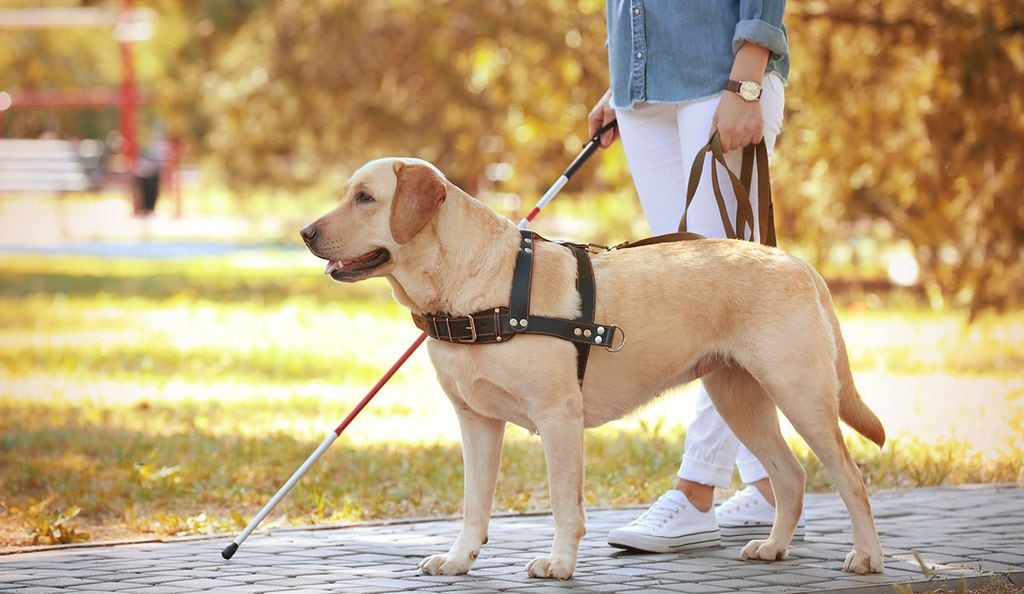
pixel 636 11
pixel 639 55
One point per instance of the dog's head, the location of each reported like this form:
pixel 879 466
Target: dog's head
pixel 386 204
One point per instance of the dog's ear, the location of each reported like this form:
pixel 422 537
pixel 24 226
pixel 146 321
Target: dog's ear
pixel 419 192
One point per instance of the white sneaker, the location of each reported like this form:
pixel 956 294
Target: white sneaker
pixel 670 525
pixel 748 515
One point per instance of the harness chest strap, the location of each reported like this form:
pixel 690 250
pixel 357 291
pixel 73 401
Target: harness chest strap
pixel 504 323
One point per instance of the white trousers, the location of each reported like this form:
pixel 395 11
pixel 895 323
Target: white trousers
pixel 661 141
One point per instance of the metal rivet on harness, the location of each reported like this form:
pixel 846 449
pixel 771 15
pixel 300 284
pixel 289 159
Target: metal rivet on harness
pixel 600 329
pixel 497 338
pixel 598 340
pixel 528 240
pixel 577 332
pixel 587 333
pixel 522 323
pixel 528 251
pixel 513 322
pixel 497 310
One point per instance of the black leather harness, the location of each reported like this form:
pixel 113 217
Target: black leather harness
pixel 501 324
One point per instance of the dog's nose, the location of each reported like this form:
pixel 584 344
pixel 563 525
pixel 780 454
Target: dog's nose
pixel 308 233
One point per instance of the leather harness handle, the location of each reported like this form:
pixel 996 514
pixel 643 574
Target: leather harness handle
pixel 752 154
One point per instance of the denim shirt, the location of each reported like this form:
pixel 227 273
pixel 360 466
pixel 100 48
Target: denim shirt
pixel 676 51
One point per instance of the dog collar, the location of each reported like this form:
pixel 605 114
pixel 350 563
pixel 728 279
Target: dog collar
pixel 501 324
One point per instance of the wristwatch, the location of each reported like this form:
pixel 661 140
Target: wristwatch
pixel 748 89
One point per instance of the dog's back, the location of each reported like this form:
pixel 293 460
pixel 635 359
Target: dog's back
pixel 687 308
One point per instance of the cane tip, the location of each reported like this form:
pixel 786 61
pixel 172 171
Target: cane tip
pixel 229 551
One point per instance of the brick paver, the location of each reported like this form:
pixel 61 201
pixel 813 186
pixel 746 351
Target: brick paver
pixel 964 535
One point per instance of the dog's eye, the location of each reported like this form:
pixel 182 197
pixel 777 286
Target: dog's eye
pixel 363 198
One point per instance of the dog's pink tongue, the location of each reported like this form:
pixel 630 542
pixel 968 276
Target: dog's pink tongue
pixel 332 266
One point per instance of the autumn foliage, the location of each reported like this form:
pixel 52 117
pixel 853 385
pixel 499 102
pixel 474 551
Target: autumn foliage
pixel 905 120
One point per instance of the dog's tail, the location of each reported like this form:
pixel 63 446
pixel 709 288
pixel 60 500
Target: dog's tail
pixel 852 409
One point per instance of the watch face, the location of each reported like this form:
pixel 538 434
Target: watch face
pixel 750 90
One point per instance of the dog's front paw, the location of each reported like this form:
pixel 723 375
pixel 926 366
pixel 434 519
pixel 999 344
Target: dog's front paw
pixel 548 567
pixel 765 550
pixel 861 562
pixel 446 564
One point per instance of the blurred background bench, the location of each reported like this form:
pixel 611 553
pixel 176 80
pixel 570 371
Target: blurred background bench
pixel 42 166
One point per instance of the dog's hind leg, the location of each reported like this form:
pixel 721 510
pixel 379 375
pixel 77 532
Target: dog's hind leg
pixel 481 456
pixel 752 416
pixel 815 417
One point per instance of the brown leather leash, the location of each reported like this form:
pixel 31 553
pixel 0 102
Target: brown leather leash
pixel 752 155
pixel 755 154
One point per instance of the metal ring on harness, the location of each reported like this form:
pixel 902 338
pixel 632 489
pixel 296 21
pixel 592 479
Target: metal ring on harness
pixel 622 343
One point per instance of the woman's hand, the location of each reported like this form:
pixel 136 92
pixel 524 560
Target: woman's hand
pixel 741 122
pixel 738 122
pixel 601 115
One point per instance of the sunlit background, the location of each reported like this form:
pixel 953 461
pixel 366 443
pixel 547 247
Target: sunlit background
pixel 169 353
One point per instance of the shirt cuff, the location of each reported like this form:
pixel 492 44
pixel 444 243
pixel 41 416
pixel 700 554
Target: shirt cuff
pixel 761 33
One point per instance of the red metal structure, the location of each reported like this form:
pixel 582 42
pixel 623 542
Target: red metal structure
pixel 129 26
pixel 129 98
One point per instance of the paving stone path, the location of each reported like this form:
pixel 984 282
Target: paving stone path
pixel 965 536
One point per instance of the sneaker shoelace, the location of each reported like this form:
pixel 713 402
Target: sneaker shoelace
pixel 745 499
pixel 663 510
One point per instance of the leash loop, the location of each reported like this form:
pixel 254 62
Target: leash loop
pixel 742 186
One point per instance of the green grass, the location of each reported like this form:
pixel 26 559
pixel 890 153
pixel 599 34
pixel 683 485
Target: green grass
pixel 174 397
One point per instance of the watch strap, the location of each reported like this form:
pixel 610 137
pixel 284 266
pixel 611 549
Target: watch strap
pixel 734 86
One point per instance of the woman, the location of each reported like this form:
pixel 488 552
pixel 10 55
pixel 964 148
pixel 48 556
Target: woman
pixel 679 71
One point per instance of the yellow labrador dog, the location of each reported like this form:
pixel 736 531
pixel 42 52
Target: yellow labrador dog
pixel 756 324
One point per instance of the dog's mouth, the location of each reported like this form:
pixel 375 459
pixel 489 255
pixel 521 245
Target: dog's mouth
pixel 357 268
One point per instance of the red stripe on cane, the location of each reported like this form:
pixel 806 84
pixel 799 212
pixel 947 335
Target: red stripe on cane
pixel 380 384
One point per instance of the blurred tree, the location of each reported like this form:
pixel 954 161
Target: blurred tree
pixel 303 86
pixel 906 119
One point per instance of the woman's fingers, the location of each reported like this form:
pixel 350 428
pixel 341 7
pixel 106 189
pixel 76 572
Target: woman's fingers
pixel 607 115
pixel 595 119
pixel 609 137
pixel 601 114
pixel 738 122
pixel 736 136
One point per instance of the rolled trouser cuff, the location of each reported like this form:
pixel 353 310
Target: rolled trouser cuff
pixel 751 470
pixel 699 471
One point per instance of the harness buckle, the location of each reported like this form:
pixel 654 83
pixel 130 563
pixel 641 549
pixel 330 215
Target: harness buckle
pixel 471 327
